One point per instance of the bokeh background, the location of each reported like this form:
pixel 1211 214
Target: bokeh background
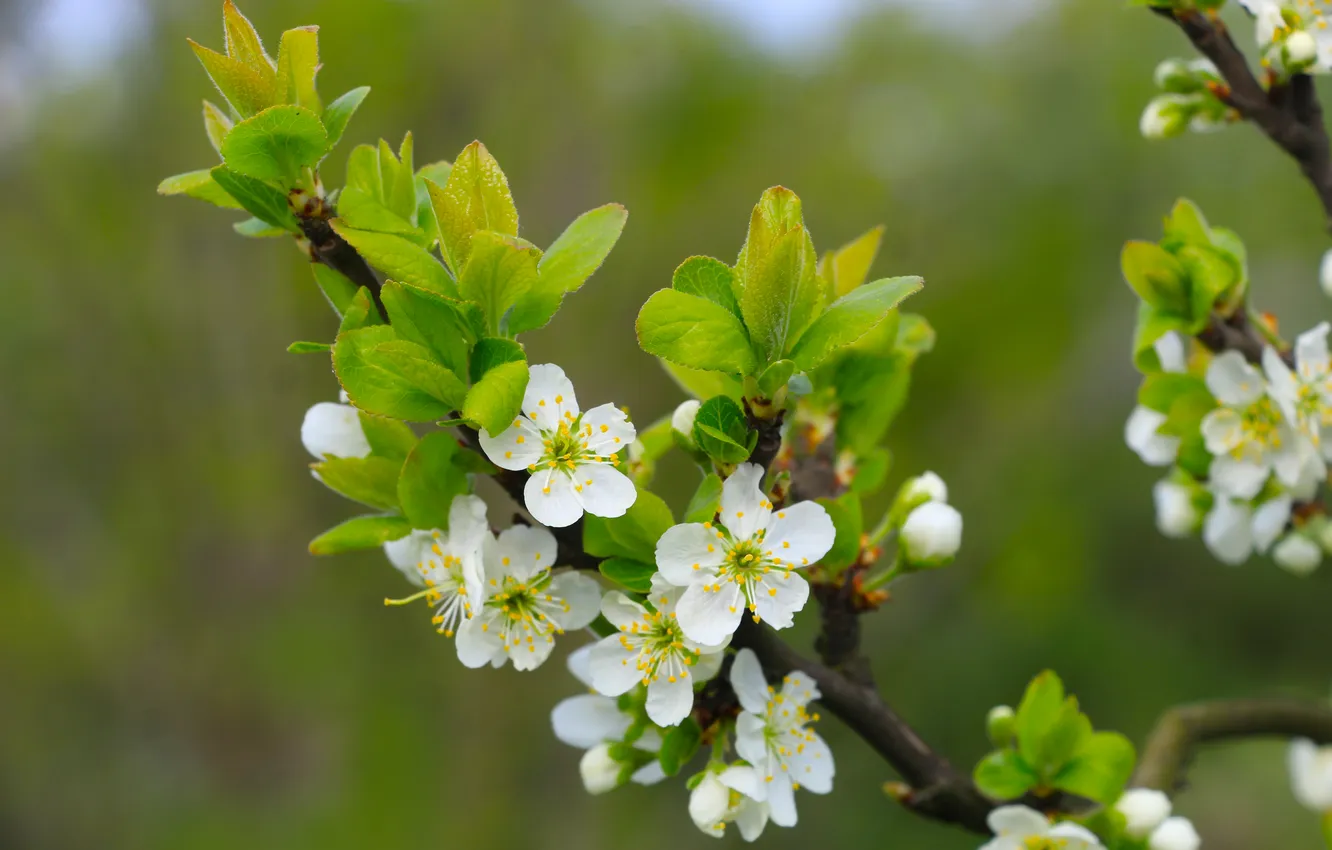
pixel 176 672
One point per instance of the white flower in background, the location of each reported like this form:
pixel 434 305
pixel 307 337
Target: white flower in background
pixel 1311 775
pixel 932 534
pixel 773 735
pixel 1233 530
pixel 1144 809
pixel 1305 393
pixel 682 421
pixel 927 487
pixel 1175 834
pixel 334 429
pixel 1248 434
pixel 448 565
pixel 1140 432
pixel 732 794
pixel 748 561
pixel 1176 514
pixel 651 648
pixel 570 454
pixel 593 721
pixel 1325 274
pixel 1297 554
pixel 1295 32
pixel 600 773
pixel 1020 828
pixel 1166 115
pixel 524 605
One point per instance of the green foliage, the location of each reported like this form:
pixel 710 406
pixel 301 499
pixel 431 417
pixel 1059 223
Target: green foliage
pixel 706 501
pixel 387 437
pixel 361 312
pixel 722 431
pixel 850 318
pixel 695 333
pixel 500 270
pixel 199 185
pixel 393 377
pixel 362 532
pixel 444 325
pixel 430 480
pixel 710 279
pixel 297 65
pixel 336 287
pixel 633 536
pixel 276 145
pixel 500 372
pixel 849 521
pixel 339 113
pixel 370 480
pixel 848 267
pixel 380 194
pixel 678 746
pixel 777 275
pixel 775 378
pixel 399 258
pixel 476 197
pixel 634 576
pixel 259 199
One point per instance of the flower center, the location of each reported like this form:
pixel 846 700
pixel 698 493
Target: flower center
pixel 746 563
pixel 1261 422
pixel 445 589
pixel 1044 842
pixel 526 611
pixel 661 647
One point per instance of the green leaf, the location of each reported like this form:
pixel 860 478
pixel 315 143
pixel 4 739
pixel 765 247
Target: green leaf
pixel 1100 770
pixel 339 113
pixel 247 90
pixel 1160 389
pixel 1152 325
pixel 362 532
pixel 370 480
pixel 399 258
pixel 476 197
pixel 361 312
pixel 387 437
pixel 216 124
pixel 337 288
pixel 199 185
pixel 707 278
pixel 583 247
pixel 872 390
pixel 1210 275
pixel 275 145
pixel 393 377
pixel 397 174
pixel 871 471
pixel 1041 708
pixel 695 333
pixel 358 209
pixel 495 401
pixel 243 43
pixel 309 348
pixel 1156 276
pixel 490 353
pixel 849 521
pixel 721 430
pixel 914 335
pixel 260 200
pixel 633 536
pixel 253 228
pixel 1002 775
pixel 499 271
pixel 430 480
pixel 850 318
pixel 678 745
pixel 298 62
pixel 1185 225
pixel 848 267
pixel 775 377
pixel 706 501
pixel 779 289
pixel 445 326
pixel 632 575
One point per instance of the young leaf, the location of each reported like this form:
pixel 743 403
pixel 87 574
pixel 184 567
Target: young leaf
pixel 721 430
pixel 362 532
pixel 216 124
pixel 259 199
pixel 678 746
pixel 276 144
pixel 243 43
pixel 476 197
pixel 199 185
pixel 337 288
pixel 397 173
pixel 399 258
pixel 387 437
pixel 1002 775
pixel 701 385
pixel 490 353
pixel 430 480
pixel 298 62
pixel 1041 709
pixel 393 377
pixel 443 325
pixel 245 88
pixel 848 266
pixel 370 480
pixel 360 313
pixel 309 348
pixel 707 278
pixel 1100 769
pixel 695 333
pixel 582 247
pixel 775 377
pixel 1156 276
pixel 499 271
pixel 848 520
pixel 340 112
pixel 635 576
pixel 779 289
pixel 494 401
pixel 850 318
pixel 706 501
pixel 359 209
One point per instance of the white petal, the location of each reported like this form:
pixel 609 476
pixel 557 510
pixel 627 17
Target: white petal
pixel 1311 356
pixel 750 741
pixel 1297 554
pixel 1076 837
pixel 1239 478
pixel 531 655
pixel 478 641
pixel 708 665
pixel 1141 436
pixel 1175 834
pixel 1222 430
pixel 604 490
pixel 334 429
pixel 1227 532
pixel 800 535
pixel 408 553
pixel 1172 351
pixel 664 595
pixel 670 702
pixel 1269 520
pixel 746 780
pixel 779 596
pixel 579 663
pixel 649 774
pixel 1311 775
pixel 614 668
pixel 683 546
pixel 549 395
pixel 1233 381
pixel 1293 457
pixel 600 772
pixel 710 617
pixel 708 802
pixel 550 498
pixel 587 720
pixel 608 429
pixel 799 688
pixel 749 683
pixel 744 507
pixel 621 611
pixel 467 524
pixel 583 595
pixel 1018 821
pixel 813 767
pixel 525 550
pixel 1176 515
pixel 516 447
pixel 751 817
pixel 781 800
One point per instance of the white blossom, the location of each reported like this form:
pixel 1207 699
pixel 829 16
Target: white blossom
pixel 1248 434
pixel 1233 530
pixel 1176 514
pixel 1297 554
pixel 1166 115
pixel 1144 809
pixel 334 429
pixel 600 772
pixel 748 560
pixel 1141 430
pixel 1305 393
pixel 524 604
pixel 1175 834
pixel 682 421
pixel 448 565
pixel 1293 32
pixel 651 648
pixel 730 794
pixel 926 486
pixel 1311 775
pixel 1020 828
pixel 772 733
pixel 1325 274
pixel 570 454
pixel 932 534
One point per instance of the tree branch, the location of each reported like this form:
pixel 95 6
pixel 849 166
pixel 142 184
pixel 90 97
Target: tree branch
pixel 327 247
pixel 1183 729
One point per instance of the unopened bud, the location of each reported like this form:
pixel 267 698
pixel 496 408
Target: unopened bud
pixel 1175 834
pixel 1300 49
pixel 1297 554
pixel 682 423
pixel 1166 116
pixel 927 487
pixel 1144 809
pixel 600 772
pixel 1176 514
pixel 931 535
pixel 1175 75
pixel 1000 726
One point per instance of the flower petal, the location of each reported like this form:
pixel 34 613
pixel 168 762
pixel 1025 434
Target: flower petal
pixel 708 802
pixel 478 641
pixel 709 614
pixel 751 817
pixel 1227 532
pixel 549 395
pixel 813 766
pixel 516 447
pixel 1172 351
pixel 1222 430
pixel 749 683
pixel 746 780
pixel 744 507
pixel 778 596
pixel 708 665
pixel 583 595
pixel 1239 478
pixel 800 535
pixel 587 720
pixel 1017 821
pixel 1269 520
pixel 334 429
pixel 524 551
pixel 1140 433
pixel 621 611
pixel 670 702
pixel 467 524
pixel 608 429
pixel 799 688
pixel 614 667
pixel 781 800
pixel 409 553
pixel 649 774
pixel 750 741
pixel 1311 355
pixel 1282 385
pixel 551 500
pixel 1233 381
pixel 579 663
pixel 684 547
pixel 531 654
pixel 604 490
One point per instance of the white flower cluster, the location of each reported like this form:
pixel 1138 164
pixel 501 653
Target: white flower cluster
pixel 1293 34
pixel 1147 814
pixel 1311 776
pixel 1185 102
pixel 1147 819
pixel 1269 437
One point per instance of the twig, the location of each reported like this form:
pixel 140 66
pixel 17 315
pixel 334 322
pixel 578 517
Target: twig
pixel 327 247
pixel 1183 729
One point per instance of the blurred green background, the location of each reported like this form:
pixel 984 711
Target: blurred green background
pixel 176 672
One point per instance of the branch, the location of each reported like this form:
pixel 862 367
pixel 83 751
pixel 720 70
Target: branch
pixel 327 247
pixel 1183 729
pixel 1288 114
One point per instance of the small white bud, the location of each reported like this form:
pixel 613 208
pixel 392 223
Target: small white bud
pixel 932 534
pixel 1325 274
pixel 1176 514
pixel 682 420
pixel 1173 75
pixel 709 802
pixel 1301 49
pixel 928 486
pixel 1297 554
pixel 1144 809
pixel 1311 775
pixel 1175 834
pixel 600 772
pixel 1167 115
pixel 334 429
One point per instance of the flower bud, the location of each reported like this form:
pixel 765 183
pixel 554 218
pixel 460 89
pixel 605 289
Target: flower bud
pixel 1166 116
pixel 334 429
pixel 931 535
pixel 1144 810
pixel 1325 274
pixel 1300 49
pixel 927 487
pixel 1000 725
pixel 709 802
pixel 1175 834
pixel 1176 514
pixel 682 423
pixel 1175 75
pixel 1297 554
pixel 600 772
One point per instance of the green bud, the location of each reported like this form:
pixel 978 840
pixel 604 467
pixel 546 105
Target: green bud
pixel 1175 75
pixel 1000 726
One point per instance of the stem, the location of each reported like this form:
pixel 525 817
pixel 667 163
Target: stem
pixel 894 571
